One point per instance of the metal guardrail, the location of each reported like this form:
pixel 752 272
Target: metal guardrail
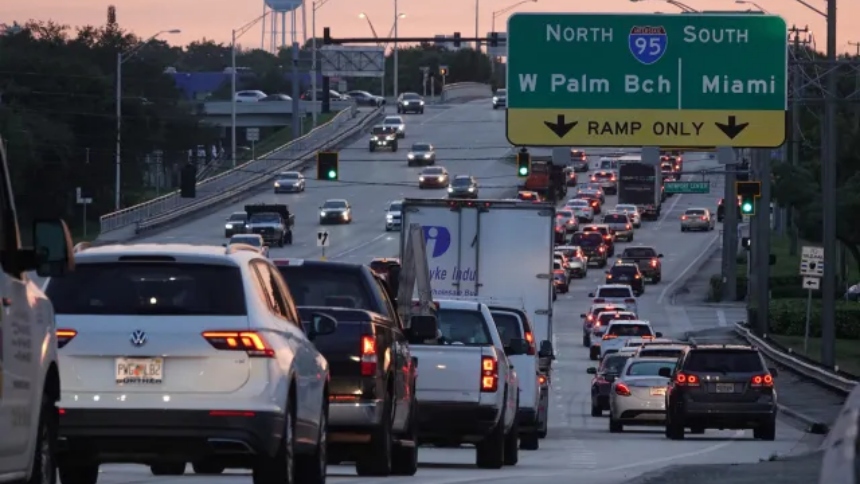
pixel 838 465
pixel 460 90
pixel 256 178
pixel 229 179
pixel 820 374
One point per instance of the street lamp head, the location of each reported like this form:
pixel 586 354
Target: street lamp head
pixel 174 31
pixel 402 15
pixel 362 15
pixel 741 2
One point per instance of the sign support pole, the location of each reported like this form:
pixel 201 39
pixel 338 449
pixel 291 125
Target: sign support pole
pixel 761 241
pixel 726 156
pixel 808 317
pixel 323 253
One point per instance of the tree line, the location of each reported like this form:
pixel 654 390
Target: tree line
pixel 58 104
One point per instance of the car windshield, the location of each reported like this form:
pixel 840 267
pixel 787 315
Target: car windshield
pixel 623 291
pixel 289 176
pixel 624 270
pixel 613 364
pixel 509 327
pixel 433 171
pixel 564 214
pixel 630 330
pixel 723 361
pixel 331 287
pixel 238 217
pixel 639 252
pixel 603 176
pixel 695 213
pixel 461 182
pixel 149 288
pixel 396 207
pixel 649 368
pixel 577 203
pixel 615 219
pixel 334 204
pixel 420 147
pixel 462 327
pixel 392 121
pixel 266 217
pixel 411 97
pixel 244 239
pixel 588 240
pixel 661 352
pixel 380 130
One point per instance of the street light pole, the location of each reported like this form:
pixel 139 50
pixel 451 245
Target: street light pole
pixel 754 4
pixel 120 60
pixel 236 34
pixel 396 73
pixel 477 28
pixel 505 10
pixel 828 284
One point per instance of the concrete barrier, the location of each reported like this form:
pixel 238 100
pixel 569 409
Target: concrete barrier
pixel 840 446
pixel 465 91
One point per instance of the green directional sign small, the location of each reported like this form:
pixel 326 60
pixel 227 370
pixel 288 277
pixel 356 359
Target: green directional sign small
pixel 678 187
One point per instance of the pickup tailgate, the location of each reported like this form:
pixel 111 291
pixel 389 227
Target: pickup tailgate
pixel 450 373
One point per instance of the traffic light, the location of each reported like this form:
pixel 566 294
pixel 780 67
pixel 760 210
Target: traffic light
pixel 748 191
pixel 524 164
pixel 443 71
pixel 457 39
pixel 494 39
pixel 327 162
pixel 188 181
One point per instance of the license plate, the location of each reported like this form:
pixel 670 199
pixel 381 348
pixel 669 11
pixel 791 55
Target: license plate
pixel 623 278
pixel 658 391
pixel 725 388
pixel 147 371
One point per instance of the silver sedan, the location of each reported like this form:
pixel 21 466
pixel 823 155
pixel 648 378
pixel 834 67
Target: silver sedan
pixel 697 219
pixel 638 396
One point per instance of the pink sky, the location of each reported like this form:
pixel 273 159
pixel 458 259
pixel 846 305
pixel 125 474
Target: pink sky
pixel 214 19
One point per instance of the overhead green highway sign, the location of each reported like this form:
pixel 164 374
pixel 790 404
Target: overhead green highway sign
pixel 687 187
pixel 686 80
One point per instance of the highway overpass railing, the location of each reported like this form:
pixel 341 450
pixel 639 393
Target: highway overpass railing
pixel 462 91
pixel 210 191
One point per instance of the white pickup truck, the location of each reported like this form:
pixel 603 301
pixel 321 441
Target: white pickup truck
pixel 467 388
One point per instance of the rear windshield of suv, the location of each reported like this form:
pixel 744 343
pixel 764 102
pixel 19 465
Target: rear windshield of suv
pixel 636 253
pixel 614 292
pixel 660 353
pixel 603 176
pixel 592 239
pixel 613 363
pixel 329 286
pixel 615 219
pixel 149 288
pixel 723 361
pixel 633 330
pixel 508 326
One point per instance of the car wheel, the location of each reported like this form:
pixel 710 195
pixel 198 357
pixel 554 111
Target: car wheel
pixel 44 458
pixel 512 443
pixel 596 411
pixel 490 452
pixel 404 458
pixel 586 341
pixel 279 468
pixel 312 469
pixel 615 426
pixel 674 430
pixel 376 459
pixel 765 431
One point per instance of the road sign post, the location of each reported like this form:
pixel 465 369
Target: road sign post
pixel 646 80
pixel 253 135
pixel 323 240
pixel 679 187
pixel 83 201
pixel 810 284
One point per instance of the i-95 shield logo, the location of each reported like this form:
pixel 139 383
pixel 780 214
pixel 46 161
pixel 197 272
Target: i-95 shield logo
pixel 648 44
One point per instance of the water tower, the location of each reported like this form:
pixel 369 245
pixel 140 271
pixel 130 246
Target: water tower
pixel 276 27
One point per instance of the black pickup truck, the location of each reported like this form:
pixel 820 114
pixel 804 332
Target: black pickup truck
pixel 647 259
pixel 372 410
pixel 273 222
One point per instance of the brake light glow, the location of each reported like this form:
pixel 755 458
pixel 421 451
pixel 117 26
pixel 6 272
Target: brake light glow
pixel 765 380
pixel 541 379
pixel 530 338
pixel 602 249
pixel 630 300
pixel 489 374
pixel 230 413
pixel 609 336
pixel 704 218
pixel 609 276
pixel 683 217
pixel 250 342
pixel 600 380
pixel 621 389
pixel 628 226
pixel 683 379
pixel 636 276
pixel 368 356
pixel 653 262
pixel 64 336
pixel 607 237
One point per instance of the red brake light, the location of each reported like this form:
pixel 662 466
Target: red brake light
pixel 765 380
pixel 530 338
pixel 683 217
pixel 602 249
pixel 489 374
pixel 628 226
pixel 230 413
pixel 653 262
pixel 683 379
pixel 630 300
pixel 704 218
pixel 64 336
pixel 636 276
pixel 250 342
pixel 609 276
pixel 368 356
pixel 607 237
pixel 609 336
pixel 542 379
pixel 621 389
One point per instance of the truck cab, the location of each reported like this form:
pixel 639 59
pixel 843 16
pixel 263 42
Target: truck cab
pixel 29 374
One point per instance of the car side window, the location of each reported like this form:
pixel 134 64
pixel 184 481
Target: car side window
pixel 275 300
pixel 262 291
pixel 279 285
pixel 391 310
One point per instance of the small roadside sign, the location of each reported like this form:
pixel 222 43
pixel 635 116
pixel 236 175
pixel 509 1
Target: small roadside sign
pixel 811 283
pixel 812 261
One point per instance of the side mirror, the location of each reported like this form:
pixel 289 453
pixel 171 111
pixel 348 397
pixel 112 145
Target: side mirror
pixel 659 256
pixel 591 371
pixel 590 294
pixel 773 372
pixel 517 346
pixel 658 334
pixel 546 350
pixel 665 372
pixel 52 255
pixel 321 325
pixel 422 328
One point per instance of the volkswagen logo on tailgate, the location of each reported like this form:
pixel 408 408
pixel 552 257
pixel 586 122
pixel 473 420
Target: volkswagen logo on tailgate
pixel 138 338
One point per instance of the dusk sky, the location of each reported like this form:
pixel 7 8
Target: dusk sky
pixel 214 19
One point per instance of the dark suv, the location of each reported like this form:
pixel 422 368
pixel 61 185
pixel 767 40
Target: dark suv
pixel 720 387
pixel 609 369
pixel 627 274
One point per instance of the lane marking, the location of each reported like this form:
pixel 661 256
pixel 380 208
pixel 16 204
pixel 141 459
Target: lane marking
pixel 687 269
pixel 359 246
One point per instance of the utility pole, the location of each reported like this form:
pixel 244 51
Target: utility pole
pixel 761 241
pixel 726 158
pixel 828 193
pixel 796 96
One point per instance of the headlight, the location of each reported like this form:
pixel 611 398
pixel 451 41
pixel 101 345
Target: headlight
pixel 322 214
pixel 374 138
pixel 297 184
pixel 344 215
pixel 390 138
pixel 228 226
pixel 420 178
pixel 495 99
pixel 471 189
pixel 421 103
pixel 450 189
pixel 410 156
pixel 277 184
pixel 389 217
pixel 427 155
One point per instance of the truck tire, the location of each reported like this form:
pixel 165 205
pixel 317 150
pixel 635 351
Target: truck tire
pixel 490 452
pixel 404 459
pixel 512 443
pixel 281 240
pixel 376 458
pixel 530 441
pixel 279 468
pixel 78 473
pixel 289 238
pixel 45 456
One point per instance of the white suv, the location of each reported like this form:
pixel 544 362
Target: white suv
pixel 177 353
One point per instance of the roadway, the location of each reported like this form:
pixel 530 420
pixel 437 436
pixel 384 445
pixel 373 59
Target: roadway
pixel 577 444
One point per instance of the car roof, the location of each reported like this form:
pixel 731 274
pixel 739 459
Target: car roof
pixel 463 176
pixel 289 173
pixel 697 209
pixel 664 346
pixel 434 168
pixel 183 253
pixel 629 322
pixel 341 200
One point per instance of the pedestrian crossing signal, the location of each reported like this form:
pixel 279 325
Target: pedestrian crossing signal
pixel 327 165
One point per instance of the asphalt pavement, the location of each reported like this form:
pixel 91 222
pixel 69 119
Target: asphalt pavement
pixel 470 139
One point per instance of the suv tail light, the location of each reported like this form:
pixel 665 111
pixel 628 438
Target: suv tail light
pixel 250 342
pixel 530 338
pixel 759 381
pixel 489 374
pixel 628 226
pixel 704 217
pixel 609 336
pixel 653 262
pixel 630 300
pixel 368 356
pixel 64 336
pixel 682 379
pixel 621 389
pixel 683 217
pixel 542 379
pixel 602 249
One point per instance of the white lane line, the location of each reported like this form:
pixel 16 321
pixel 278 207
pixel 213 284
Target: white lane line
pixel 359 246
pixel 706 251
pixel 721 318
pixel 667 212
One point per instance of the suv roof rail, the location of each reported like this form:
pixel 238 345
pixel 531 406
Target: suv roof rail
pixel 81 246
pixel 233 248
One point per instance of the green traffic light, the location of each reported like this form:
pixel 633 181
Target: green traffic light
pixel 524 171
pixel 747 207
pixel 332 174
